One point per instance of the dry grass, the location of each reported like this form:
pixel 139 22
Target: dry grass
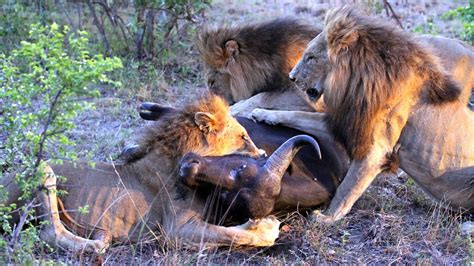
pixel 394 221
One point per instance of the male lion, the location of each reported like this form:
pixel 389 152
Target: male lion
pixel 243 61
pixel 134 200
pixel 247 187
pixel 387 95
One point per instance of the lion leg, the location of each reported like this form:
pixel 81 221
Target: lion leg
pixel 244 107
pixel 310 122
pixel 286 100
pixel 54 232
pixel 454 188
pixel 256 233
pixel 359 177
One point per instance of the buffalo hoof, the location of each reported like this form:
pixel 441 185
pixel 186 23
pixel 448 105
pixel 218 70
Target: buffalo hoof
pixel 130 153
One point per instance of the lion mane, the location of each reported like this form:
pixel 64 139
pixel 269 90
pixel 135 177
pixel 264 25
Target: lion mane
pixel 164 132
pixel 256 57
pixel 369 60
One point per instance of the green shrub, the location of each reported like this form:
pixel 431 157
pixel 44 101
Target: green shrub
pixel 466 15
pixel 44 84
pixel 429 27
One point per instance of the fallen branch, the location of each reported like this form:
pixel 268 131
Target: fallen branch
pixel 389 9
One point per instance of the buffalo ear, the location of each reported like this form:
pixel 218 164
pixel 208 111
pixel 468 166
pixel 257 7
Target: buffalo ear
pixel 206 122
pixel 232 48
pixel 154 111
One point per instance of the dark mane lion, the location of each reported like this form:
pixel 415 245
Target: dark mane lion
pixel 253 58
pixel 369 61
pixel 388 97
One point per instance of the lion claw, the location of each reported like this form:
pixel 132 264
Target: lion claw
pixel 319 217
pixel 262 115
pixel 265 229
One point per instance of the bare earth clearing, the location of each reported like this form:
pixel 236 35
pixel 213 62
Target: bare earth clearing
pixel 393 222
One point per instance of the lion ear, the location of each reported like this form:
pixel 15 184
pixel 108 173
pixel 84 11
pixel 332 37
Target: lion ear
pixel 232 48
pixel 349 39
pixel 206 122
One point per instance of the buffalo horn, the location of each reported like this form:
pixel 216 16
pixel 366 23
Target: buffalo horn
pixel 279 161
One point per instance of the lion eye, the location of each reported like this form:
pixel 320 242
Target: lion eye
pixel 211 83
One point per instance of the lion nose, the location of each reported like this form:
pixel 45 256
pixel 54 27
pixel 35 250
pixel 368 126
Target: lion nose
pixel 292 78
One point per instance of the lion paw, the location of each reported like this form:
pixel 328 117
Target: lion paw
pixel 97 246
pixel 467 228
pixel 240 109
pixel 266 230
pixel 318 216
pixel 263 115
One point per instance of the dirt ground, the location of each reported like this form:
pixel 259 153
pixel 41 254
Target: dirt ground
pixel 394 222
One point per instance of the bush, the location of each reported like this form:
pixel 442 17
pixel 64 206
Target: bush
pixel 466 15
pixel 44 84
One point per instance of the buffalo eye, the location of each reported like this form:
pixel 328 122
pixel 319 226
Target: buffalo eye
pixel 242 167
pixel 310 58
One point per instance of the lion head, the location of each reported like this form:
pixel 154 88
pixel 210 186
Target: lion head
pixel 243 61
pixel 204 126
pixel 364 67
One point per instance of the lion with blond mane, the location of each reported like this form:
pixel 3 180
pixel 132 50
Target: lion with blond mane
pixel 143 197
pixel 387 96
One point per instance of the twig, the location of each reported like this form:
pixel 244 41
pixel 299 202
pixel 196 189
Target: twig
pixel 21 223
pixel 44 133
pixel 389 9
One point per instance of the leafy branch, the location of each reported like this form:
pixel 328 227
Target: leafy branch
pixel 40 84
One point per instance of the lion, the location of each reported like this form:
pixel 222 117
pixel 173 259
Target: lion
pixel 215 58
pixel 133 200
pixel 388 95
pixel 455 56
pixel 242 61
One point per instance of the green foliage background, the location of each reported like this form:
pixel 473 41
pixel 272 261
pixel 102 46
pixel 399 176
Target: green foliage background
pixel 466 15
pixel 56 56
pixel 50 70
pixel 43 86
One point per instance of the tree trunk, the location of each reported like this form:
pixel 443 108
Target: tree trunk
pixel 141 25
pixel 150 36
pixel 100 27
